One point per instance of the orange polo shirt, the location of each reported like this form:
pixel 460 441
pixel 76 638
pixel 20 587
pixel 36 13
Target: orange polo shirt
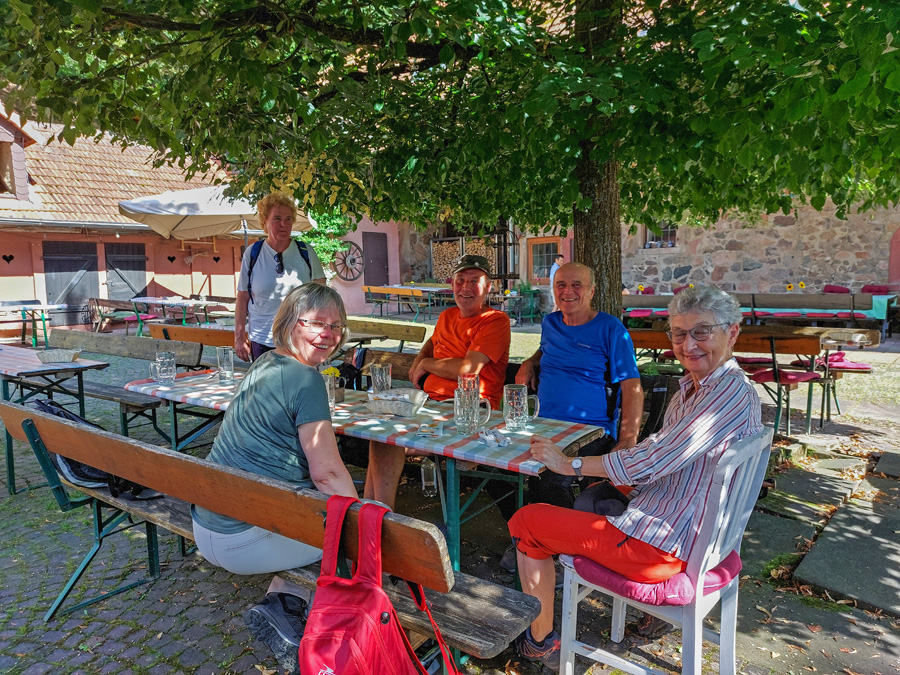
pixel 487 333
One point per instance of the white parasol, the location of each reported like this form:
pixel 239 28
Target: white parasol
pixel 189 214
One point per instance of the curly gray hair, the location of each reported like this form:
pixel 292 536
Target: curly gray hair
pixel 720 304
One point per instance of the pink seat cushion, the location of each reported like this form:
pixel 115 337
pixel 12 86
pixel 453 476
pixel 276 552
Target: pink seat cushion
pixel 640 313
pixel 849 315
pixel 661 312
pixel 785 376
pixel 875 289
pixel 758 313
pixel 144 317
pixel 668 354
pixel 787 314
pixel 648 291
pixel 753 360
pixel 829 288
pixel 820 315
pixel 675 291
pixel 746 313
pixel 673 592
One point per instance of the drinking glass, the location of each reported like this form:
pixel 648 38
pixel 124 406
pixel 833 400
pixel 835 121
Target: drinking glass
pixel 225 357
pixel 330 387
pixel 515 406
pixel 468 382
pixel 381 377
pixel 163 369
pixel 467 411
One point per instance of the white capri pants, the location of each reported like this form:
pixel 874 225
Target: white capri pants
pixel 253 551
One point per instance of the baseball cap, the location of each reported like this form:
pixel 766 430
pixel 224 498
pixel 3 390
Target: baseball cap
pixel 472 262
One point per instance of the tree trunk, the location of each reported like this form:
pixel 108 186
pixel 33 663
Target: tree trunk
pixel 598 233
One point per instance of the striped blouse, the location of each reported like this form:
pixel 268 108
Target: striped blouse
pixel 673 469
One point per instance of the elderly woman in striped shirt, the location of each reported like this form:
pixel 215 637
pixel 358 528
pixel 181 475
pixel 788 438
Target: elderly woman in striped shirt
pixel 671 471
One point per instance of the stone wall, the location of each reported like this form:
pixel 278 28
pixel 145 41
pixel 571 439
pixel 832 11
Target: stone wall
pixel 810 246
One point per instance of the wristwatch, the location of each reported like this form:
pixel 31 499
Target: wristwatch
pixel 576 466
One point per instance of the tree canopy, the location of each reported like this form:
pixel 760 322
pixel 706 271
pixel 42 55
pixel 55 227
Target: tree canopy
pixel 562 113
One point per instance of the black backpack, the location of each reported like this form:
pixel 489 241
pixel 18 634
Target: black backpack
pixel 254 254
pixel 85 475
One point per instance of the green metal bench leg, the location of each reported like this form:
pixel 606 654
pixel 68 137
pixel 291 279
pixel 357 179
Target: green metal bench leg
pixel 103 529
pixel 809 400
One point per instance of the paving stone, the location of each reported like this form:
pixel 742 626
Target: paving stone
pixel 856 556
pixel 889 464
pixel 836 466
pixel 790 507
pixel 888 490
pixel 191 657
pixel 813 488
pixel 768 537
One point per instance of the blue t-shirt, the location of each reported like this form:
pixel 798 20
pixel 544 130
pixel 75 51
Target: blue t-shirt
pixel 553 268
pixel 577 364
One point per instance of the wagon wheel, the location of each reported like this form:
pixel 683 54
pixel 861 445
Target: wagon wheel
pixel 348 263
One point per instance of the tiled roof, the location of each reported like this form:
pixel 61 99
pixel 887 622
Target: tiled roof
pixel 86 182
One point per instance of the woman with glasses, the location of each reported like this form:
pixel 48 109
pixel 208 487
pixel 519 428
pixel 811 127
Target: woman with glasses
pixel 279 425
pixel 279 266
pixel 671 472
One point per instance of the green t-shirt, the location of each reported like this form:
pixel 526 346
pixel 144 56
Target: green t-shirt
pixel 259 432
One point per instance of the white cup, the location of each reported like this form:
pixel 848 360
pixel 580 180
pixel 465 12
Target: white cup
pixel 163 369
pixel 381 377
pixel 467 411
pixel 225 358
pixel 515 406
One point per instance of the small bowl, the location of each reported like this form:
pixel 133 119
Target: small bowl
pixel 58 355
pixel 410 408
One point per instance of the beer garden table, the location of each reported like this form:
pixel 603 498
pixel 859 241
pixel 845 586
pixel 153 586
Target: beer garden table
pixel 353 418
pixel 20 363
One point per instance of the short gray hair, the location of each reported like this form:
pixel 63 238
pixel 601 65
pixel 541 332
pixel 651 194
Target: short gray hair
pixel 720 304
pixel 310 297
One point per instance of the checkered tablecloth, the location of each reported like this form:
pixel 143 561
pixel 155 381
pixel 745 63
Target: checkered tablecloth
pixel 201 388
pixel 23 362
pixel 353 418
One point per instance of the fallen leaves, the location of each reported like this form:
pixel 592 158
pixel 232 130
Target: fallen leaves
pixel 814 627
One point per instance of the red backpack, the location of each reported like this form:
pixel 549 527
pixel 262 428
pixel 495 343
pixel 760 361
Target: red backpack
pixel 352 627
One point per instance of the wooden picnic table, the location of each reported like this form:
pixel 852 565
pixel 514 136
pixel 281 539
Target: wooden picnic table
pixel 405 294
pixel 182 303
pixel 353 418
pixel 31 311
pixel 48 379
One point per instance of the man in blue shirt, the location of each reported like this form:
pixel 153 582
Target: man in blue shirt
pixel 587 373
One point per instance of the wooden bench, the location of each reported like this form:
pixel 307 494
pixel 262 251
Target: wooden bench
pixel 476 616
pixel 224 308
pixel 395 330
pixel 379 296
pixel 105 311
pixel 131 404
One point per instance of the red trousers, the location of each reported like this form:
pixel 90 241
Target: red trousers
pixel 541 530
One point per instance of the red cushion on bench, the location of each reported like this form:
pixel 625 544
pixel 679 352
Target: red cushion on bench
pixel 821 315
pixel 787 314
pixel 676 591
pixel 785 376
pixel 759 313
pixel 753 359
pixel 848 365
pixel 849 315
pixel 640 313
pixel 875 289
pixel 830 288
pixel 661 312
pixel 144 317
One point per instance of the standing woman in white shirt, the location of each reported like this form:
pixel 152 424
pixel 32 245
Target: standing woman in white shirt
pixel 279 268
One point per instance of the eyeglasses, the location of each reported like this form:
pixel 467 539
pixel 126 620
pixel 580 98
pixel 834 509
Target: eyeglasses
pixel 279 263
pixel 700 333
pixel 320 326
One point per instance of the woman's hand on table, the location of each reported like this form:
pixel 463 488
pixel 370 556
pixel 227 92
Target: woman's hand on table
pixel 550 456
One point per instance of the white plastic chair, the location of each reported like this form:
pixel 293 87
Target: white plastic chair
pixel 714 559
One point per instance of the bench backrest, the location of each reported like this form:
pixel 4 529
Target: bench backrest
pixel 826 301
pixel 412 549
pixel 122 305
pixel 186 354
pixel 646 301
pixel 395 330
pixel 862 302
pixel 213 337
pixel 785 342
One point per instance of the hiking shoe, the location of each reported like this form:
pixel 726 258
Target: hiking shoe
pixel 651 627
pixel 546 653
pixel 278 621
pixel 508 560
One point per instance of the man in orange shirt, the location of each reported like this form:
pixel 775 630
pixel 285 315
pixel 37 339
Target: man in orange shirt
pixel 469 338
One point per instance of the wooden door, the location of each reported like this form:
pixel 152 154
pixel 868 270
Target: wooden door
pixel 70 269
pixel 374 246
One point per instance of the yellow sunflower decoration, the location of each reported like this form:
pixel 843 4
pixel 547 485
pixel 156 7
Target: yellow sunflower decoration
pixel 801 285
pixel 790 287
pixel 641 288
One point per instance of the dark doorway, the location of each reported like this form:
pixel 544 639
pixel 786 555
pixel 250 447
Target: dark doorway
pixel 70 269
pixel 375 272
pixel 126 271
